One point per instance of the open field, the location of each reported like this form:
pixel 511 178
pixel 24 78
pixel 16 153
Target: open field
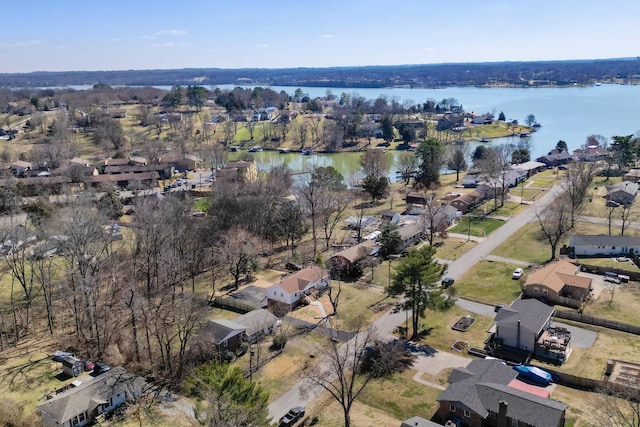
pixel 489 282
pixel 453 247
pixel 510 208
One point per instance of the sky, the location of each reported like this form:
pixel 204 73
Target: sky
pixel 77 35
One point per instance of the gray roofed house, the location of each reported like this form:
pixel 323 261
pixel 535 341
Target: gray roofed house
pixel 521 324
pixel 410 233
pixel 481 395
pixel 258 322
pixel 80 405
pixel 224 335
pixel 592 245
pixel 623 193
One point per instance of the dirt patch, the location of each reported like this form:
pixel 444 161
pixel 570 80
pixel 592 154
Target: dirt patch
pixel 266 278
pixel 463 324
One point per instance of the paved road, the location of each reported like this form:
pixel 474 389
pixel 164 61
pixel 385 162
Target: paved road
pixel 389 321
pixel 385 325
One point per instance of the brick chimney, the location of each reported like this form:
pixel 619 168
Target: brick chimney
pixel 502 414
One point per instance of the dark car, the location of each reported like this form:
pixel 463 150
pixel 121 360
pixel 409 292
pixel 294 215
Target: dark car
pixel 447 282
pixel 291 417
pixel 99 368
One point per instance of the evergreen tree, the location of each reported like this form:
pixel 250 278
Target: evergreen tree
pixel 389 240
pixel 416 278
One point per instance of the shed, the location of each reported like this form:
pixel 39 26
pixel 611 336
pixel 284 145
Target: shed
pixel 72 366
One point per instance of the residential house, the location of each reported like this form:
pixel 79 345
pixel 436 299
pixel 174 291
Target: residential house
pixel 623 193
pixel 558 283
pixel 19 167
pixel 417 199
pixel 530 168
pixel 521 324
pixel 410 233
pixel 290 291
pixel 257 323
pixel 390 217
pixel 182 163
pixel 592 153
pixel 81 405
pixel 413 124
pixel 126 180
pixel 485 119
pixel 633 175
pixel 486 393
pixel 466 202
pixel 221 335
pixel 555 157
pixel 603 245
pixel 238 171
pixel 471 180
pixel 79 161
pixel 343 261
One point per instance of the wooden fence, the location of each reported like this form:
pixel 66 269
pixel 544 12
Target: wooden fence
pixel 233 305
pixel 596 269
pixel 597 321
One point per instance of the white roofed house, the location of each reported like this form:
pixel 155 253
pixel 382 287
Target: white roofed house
pixel 603 245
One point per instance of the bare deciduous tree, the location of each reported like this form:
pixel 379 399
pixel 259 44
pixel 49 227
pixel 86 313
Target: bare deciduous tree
pixel 339 372
pixel 555 222
pixel 616 406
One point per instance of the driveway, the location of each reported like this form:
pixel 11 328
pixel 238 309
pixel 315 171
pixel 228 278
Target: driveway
pixel 580 337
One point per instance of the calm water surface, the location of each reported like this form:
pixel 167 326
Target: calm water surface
pixel 569 114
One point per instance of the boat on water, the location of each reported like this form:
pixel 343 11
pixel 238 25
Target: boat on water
pixel 307 152
pixel 255 149
pixel 484 139
pixel 283 150
pixel 525 134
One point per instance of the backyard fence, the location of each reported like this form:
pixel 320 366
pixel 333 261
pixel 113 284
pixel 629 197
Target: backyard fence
pixel 232 304
pixel 597 321
pixel 596 269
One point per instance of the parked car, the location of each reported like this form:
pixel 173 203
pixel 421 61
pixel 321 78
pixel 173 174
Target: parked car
pixel 447 282
pixel 612 280
pixel 517 273
pixel 290 418
pixel 100 368
pixel 89 365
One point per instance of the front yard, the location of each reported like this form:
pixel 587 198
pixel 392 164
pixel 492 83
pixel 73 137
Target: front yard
pixel 477 226
pixel 489 282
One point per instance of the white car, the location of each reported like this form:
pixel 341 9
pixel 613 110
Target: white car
pixel 517 273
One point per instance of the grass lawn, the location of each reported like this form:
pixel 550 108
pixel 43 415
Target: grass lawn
pixel 535 251
pixel 454 247
pixel 489 282
pixel 510 209
pixel 439 334
pixel 541 181
pixel 609 344
pixel 479 227
pixel 527 194
pixel 622 308
pixel 383 402
pixel 284 370
pixel 611 263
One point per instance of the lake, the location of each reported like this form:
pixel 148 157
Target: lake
pixel 570 114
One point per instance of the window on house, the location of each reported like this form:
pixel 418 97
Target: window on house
pixel 225 343
pixel 111 401
pixel 545 291
pixel 452 408
pixel 81 417
pixel 514 422
pixel 467 413
pixel 536 290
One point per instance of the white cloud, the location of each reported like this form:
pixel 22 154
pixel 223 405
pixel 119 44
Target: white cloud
pixel 172 32
pixel 20 43
pixel 171 45
pixel 327 36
